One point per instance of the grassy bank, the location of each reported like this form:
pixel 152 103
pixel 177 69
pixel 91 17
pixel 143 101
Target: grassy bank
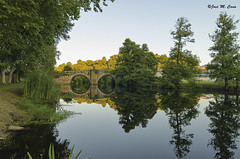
pixel 207 86
pixel 15 110
pixel 10 94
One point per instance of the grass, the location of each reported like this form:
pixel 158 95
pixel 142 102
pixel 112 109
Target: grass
pixel 17 110
pixel 40 113
pixel 9 86
pixel 207 86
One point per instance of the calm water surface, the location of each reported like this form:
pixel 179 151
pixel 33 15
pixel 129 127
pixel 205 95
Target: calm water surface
pixel 139 126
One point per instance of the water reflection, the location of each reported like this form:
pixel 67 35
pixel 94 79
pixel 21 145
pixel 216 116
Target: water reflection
pixel 181 109
pixel 68 98
pixel 225 123
pixel 106 84
pixel 134 108
pixel 36 141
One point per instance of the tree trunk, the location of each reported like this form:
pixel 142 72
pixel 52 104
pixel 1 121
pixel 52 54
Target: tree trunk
pixel 11 74
pixel 226 84
pixel 3 70
pixel 19 77
pixel 237 85
pixel 15 78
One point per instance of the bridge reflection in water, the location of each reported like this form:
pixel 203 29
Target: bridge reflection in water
pixel 93 92
pixel 92 75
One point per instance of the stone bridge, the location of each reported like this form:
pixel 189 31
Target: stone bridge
pixel 93 76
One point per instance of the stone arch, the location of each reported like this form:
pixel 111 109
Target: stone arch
pixel 83 74
pixel 106 74
pixel 79 74
pixel 92 76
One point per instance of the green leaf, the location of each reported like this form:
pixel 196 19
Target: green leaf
pixel 29 156
pixel 78 154
pixel 71 153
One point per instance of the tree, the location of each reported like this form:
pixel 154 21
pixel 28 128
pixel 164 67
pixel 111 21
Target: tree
pixel 181 63
pixel 20 25
pixel 33 28
pixel 67 68
pixel 162 59
pixel 225 50
pixel 135 66
pixel 102 64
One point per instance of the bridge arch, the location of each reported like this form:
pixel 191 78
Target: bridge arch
pixel 79 74
pixel 105 74
pixel 106 83
pixel 79 83
pixel 92 75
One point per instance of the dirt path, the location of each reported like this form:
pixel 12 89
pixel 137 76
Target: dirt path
pixel 9 113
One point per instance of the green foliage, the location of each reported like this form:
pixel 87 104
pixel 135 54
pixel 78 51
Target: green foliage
pixel 94 70
pixel 80 84
pixel 40 87
pixel 40 113
pixel 30 31
pixel 136 66
pixel 68 97
pixel 181 64
pixel 67 68
pixel 51 153
pixel 225 50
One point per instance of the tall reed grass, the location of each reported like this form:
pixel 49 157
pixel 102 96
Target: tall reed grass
pixel 41 88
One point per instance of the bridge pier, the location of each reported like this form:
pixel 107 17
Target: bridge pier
pixel 94 77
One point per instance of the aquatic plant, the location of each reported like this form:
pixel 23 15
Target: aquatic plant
pixel 51 153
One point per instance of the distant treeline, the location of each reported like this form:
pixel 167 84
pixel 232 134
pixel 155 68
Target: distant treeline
pixel 102 64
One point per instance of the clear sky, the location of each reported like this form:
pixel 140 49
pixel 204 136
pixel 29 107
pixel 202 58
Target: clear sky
pixel 144 21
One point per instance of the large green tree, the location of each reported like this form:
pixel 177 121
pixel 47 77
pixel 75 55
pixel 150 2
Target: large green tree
pixel 136 65
pixel 182 64
pixel 18 20
pixel 30 30
pixel 225 50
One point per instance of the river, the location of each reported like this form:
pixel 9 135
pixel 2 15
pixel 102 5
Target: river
pixel 138 126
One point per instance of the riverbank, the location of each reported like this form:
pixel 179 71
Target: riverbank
pixel 9 113
pixel 18 111
pixel 208 87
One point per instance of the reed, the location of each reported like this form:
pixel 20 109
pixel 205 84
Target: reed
pixel 51 153
pixel 41 88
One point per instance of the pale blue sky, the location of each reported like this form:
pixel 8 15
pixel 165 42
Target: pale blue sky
pixel 144 21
